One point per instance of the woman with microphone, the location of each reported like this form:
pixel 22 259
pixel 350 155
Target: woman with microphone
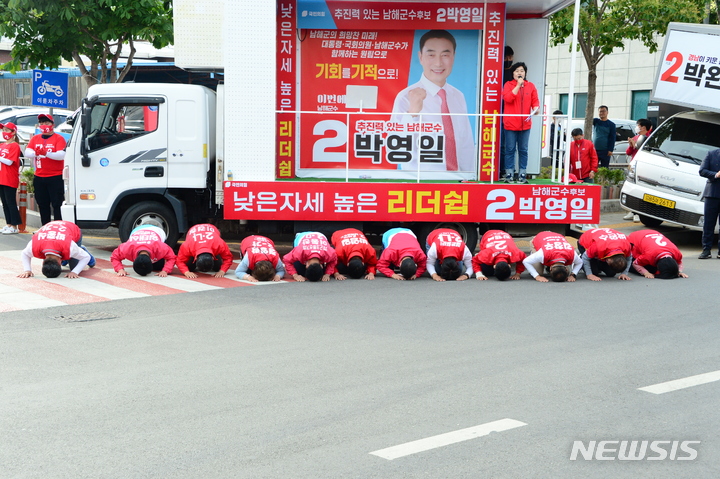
pixel 521 102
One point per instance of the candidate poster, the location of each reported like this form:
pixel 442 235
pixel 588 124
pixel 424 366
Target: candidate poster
pixel 690 71
pixel 399 96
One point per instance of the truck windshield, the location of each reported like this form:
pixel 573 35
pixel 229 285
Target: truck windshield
pixel 684 139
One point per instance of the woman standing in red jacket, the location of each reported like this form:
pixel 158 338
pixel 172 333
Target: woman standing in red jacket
pixel 521 99
pixel 9 177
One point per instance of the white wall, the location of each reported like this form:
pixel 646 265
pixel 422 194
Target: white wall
pixel 619 74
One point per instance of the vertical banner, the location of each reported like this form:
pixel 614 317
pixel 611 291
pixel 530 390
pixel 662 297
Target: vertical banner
pixel 493 56
pixel 286 89
pixel 395 88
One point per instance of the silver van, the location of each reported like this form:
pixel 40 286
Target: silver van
pixel 663 183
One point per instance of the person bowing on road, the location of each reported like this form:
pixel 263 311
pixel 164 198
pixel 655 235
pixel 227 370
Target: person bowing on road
pixel 204 251
pixel 54 243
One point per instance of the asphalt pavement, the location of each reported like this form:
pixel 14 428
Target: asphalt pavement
pixel 368 379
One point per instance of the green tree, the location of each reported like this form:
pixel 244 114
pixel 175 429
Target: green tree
pixel 606 24
pixel 92 33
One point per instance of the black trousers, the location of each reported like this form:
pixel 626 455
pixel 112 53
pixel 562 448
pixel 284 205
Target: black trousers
pixel 712 210
pixel 10 208
pixel 49 191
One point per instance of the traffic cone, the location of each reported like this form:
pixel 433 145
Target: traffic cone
pixel 23 207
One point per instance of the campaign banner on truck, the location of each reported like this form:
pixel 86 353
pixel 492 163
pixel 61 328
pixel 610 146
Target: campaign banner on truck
pixel 401 129
pixel 286 84
pixel 340 15
pixel 690 71
pixel 388 108
pixel 458 202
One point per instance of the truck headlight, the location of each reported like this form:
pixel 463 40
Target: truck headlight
pixel 630 173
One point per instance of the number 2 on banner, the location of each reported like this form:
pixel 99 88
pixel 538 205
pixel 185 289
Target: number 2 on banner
pixel 493 209
pixel 321 146
pixel 667 75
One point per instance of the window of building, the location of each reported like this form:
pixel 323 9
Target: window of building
pixel 578 106
pixel 640 99
pixel 22 90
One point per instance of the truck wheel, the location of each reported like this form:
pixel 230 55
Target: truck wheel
pixel 468 231
pixel 650 222
pixel 149 213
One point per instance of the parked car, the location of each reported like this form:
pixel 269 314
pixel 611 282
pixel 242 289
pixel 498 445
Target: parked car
pixel 5 108
pixel 26 119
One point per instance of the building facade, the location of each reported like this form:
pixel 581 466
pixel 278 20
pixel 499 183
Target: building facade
pixel 624 80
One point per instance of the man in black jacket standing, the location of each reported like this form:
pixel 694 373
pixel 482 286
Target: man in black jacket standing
pixel 710 169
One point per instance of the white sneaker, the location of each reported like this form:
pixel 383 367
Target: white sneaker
pixel 9 230
pixel 4 229
pixel 628 216
pixel 636 219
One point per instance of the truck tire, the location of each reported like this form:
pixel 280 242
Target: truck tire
pixel 149 213
pixel 650 222
pixel 468 231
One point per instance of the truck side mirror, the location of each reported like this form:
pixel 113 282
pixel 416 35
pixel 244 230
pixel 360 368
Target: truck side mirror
pixel 84 143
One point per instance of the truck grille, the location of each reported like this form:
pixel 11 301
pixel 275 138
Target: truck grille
pixel 677 216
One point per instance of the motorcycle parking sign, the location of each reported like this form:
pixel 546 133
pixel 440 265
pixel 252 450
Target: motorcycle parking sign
pixel 50 89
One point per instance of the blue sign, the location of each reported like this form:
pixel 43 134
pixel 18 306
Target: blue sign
pixel 50 89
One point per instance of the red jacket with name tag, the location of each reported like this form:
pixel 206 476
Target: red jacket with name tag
pixel 143 240
pixel 601 243
pixel 259 248
pixel 496 246
pixel 203 238
pixel 448 243
pixel 402 245
pixel 649 246
pixel 349 243
pixel 55 238
pixel 555 248
pixel 312 245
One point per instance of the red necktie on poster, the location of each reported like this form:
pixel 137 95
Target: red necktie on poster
pixel 450 150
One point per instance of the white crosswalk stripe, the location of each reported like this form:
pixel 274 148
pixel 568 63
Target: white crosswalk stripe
pixel 99 284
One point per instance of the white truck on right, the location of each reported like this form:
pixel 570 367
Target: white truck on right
pixel 663 182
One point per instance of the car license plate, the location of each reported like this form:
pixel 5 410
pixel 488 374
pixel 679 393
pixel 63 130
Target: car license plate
pixel 659 201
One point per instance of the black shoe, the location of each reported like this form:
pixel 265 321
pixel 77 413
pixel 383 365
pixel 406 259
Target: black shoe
pixel 706 254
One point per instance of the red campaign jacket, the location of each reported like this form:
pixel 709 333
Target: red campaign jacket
pixel 312 245
pixel 55 238
pixel 522 103
pixel 649 246
pixel 585 150
pixel 555 248
pixel 143 240
pixel 349 243
pixel 496 246
pixel 448 243
pixel 259 248
pixel 402 245
pixel 9 174
pixel 203 238
pixel 44 166
pixel 600 243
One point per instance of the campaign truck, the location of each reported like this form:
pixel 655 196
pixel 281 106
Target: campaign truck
pixel 324 114
pixel 663 183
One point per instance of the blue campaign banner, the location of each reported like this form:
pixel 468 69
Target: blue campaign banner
pixel 50 89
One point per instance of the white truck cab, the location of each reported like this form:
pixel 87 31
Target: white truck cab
pixel 143 148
